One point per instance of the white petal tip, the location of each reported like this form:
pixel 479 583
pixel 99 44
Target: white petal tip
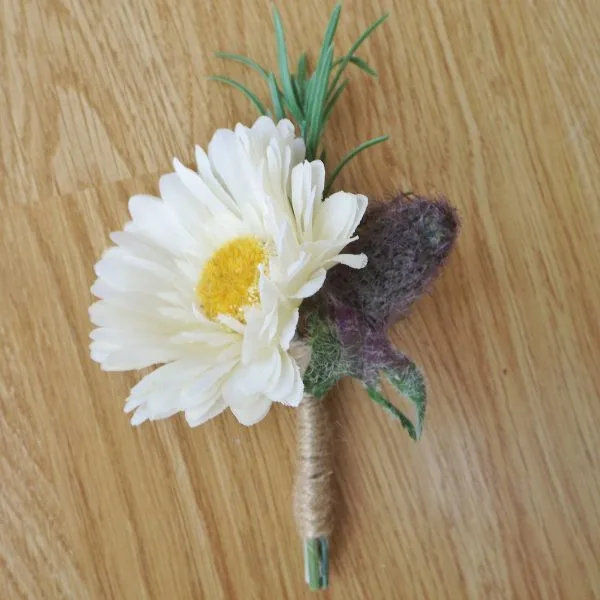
pixel 138 418
pixel 356 261
pixel 131 404
pixel 312 286
pixel 251 416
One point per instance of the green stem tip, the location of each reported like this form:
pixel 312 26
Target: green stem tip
pixel 316 563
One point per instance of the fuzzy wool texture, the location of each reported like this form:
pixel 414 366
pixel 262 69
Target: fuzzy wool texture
pixel 407 241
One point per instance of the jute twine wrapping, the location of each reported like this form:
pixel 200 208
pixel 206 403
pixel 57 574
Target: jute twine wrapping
pixel 314 497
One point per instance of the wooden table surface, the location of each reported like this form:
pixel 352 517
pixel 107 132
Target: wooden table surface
pixel 496 104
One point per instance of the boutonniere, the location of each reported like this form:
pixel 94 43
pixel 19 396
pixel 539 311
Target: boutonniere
pixel 251 281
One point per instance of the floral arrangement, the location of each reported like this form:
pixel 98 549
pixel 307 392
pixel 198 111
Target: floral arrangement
pixel 248 282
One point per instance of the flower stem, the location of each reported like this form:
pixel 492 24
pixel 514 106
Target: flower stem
pixel 316 562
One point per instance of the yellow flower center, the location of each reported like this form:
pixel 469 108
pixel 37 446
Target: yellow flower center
pixel 229 281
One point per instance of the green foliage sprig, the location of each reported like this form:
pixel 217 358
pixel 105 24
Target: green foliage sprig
pixel 306 97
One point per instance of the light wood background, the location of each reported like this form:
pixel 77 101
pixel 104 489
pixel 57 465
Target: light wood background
pixel 496 104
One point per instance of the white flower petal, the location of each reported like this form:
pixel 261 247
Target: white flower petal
pixel 288 388
pixel 298 152
pixel 295 396
pixel 140 416
pixel 205 171
pixel 338 216
pixel 224 156
pixel 308 181
pixel 182 201
pixel 163 413
pixel 155 220
pixel 201 192
pixel 126 318
pixel 254 377
pixel 354 261
pixel 303 260
pixel 101 289
pixel 251 341
pixel 129 276
pixel 232 323
pixel 200 399
pixel 274 179
pixel 256 410
pixel 263 131
pixel 198 416
pixel 283 386
pixel 289 329
pixel 132 358
pixel 141 247
pixel 313 285
pixel 173 375
pixel 208 379
pixel 286 129
pixel 99 351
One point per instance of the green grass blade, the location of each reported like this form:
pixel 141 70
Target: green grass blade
pixel 331 102
pixel 276 98
pixel 350 156
pixel 315 104
pixel 316 92
pixel 346 59
pixel 300 79
pixel 297 90
pixel 301 70
pixel 284 71
pixel 330 31
pixel 238 86
pixel 360 63
pixel 244 60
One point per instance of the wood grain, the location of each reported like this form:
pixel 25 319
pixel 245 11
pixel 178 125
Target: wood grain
pixel 494 103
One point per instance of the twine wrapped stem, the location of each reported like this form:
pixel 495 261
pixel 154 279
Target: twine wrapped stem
pixel 313 502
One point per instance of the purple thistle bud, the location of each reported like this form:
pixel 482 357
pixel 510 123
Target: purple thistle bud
pixel 406 241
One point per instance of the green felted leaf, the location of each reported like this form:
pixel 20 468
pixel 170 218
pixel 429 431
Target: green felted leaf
pixel 376 394
pixel 410 383
pixel 327 364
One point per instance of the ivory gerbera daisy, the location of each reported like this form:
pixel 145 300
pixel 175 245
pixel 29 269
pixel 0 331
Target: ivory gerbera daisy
pixel 207 280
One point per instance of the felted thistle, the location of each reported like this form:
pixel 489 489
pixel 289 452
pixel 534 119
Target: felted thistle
pixel 407 241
